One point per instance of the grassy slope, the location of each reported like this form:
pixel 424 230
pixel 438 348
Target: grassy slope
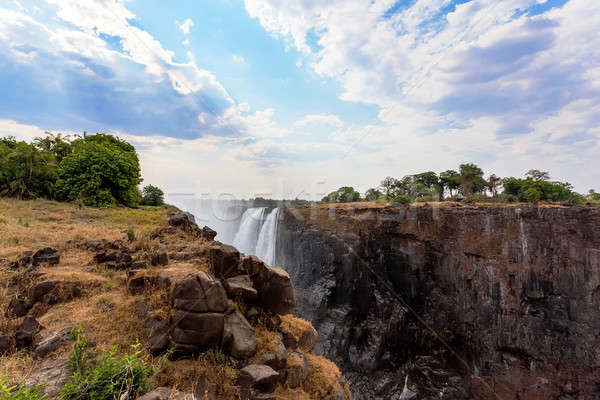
pixel 105 311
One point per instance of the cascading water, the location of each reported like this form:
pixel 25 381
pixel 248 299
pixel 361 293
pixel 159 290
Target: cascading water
pixel 267 238
pixel 246 237
pixel 250 230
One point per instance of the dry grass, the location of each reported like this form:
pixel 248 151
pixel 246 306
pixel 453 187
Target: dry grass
pixel 32 224
pixel 297 326
pixel 286 393
pixel 324 378
pixel 15 367
pixel 108 318
pixel 211 374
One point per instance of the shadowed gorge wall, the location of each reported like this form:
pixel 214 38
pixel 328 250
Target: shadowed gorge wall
pixel 511 294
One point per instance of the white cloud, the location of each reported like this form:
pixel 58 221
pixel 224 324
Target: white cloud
pixel 320 119
pixel 185 26
pixel 19 131
pixel 238 59
pixel 186 42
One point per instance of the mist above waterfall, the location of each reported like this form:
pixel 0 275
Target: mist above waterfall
pixel 252 230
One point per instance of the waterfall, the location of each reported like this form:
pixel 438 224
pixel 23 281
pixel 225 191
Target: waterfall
pixel 250 230
pixel 267 238
pixel 247 234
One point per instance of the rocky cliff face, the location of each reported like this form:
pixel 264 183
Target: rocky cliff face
pixel 468 302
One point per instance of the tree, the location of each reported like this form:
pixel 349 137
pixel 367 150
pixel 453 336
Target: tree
pixel 450 180
pixel 345 194
pixel 537 175
pixel 593 196
pixel 152 196
pixel 471 179
pixel 25 170
pixel 372 194
pixel 388 185
pixel 101 170
pixel 57 144
pixel 493 184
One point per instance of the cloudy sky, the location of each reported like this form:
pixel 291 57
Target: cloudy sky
pixel 289 98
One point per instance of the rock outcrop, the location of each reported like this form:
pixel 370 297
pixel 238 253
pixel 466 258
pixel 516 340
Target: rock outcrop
pixel 468 301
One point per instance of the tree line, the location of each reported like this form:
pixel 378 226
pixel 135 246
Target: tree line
pixel 94 170
pixel 466 184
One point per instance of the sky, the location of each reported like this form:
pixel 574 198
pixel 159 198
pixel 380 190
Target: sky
pixel 295 98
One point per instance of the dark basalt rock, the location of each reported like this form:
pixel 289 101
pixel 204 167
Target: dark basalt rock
pixel 494 282
pixel 238 336
pixel 16 308
pixel 273 284
pixel 240 287
pixel 47 255
pixel 6 344
pixel 199 293
pixel 223 259
pixel 47 342
pixel 26 332
pixel 256 380
pixel 159 258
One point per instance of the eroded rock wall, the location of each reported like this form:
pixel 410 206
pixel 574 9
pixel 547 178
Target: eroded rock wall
pixel 467 301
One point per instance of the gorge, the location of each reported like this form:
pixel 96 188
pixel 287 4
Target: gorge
pixel 443 301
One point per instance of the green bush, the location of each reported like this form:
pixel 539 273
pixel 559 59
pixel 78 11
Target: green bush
pixel 536 190
pixel 400 199
pixel 112 377
pixel 130 234
pixel 102 170
pixel 20 392
pixel 152 196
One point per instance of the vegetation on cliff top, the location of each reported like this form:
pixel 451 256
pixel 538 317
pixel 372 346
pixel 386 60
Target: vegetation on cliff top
pixel 93 170
pixel 468 184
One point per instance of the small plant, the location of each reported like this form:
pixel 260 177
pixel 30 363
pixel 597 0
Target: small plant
pixel 20 392
pixel 112 377
pixel 130 234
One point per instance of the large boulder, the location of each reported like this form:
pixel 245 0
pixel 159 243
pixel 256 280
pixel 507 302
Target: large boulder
pixel 27 331
pixel 297 369
pixel 238 336
pixel 223 259
pixel 199 293
pixel 203 330
pixel 274 286
pixel 55 291
pixel 46 342
pixel 240 287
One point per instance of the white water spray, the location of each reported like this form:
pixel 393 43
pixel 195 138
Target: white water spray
pixel 246 238
pixel 267 238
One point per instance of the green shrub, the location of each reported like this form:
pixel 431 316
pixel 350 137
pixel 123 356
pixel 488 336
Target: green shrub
pixel 102 170
pixel 130 234
pixel 152 196
pixel 401 199
pixel 20 392
pixel 112 377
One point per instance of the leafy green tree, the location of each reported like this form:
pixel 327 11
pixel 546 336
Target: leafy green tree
pixel 539 190
pixel 471 179
pixel 372 194
pixel 101 170
pixel 57 144
pixel 401 199
pixel 25 171
pixel 345 194
pixel 450 180
pixel 593 197
pixel 152 196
